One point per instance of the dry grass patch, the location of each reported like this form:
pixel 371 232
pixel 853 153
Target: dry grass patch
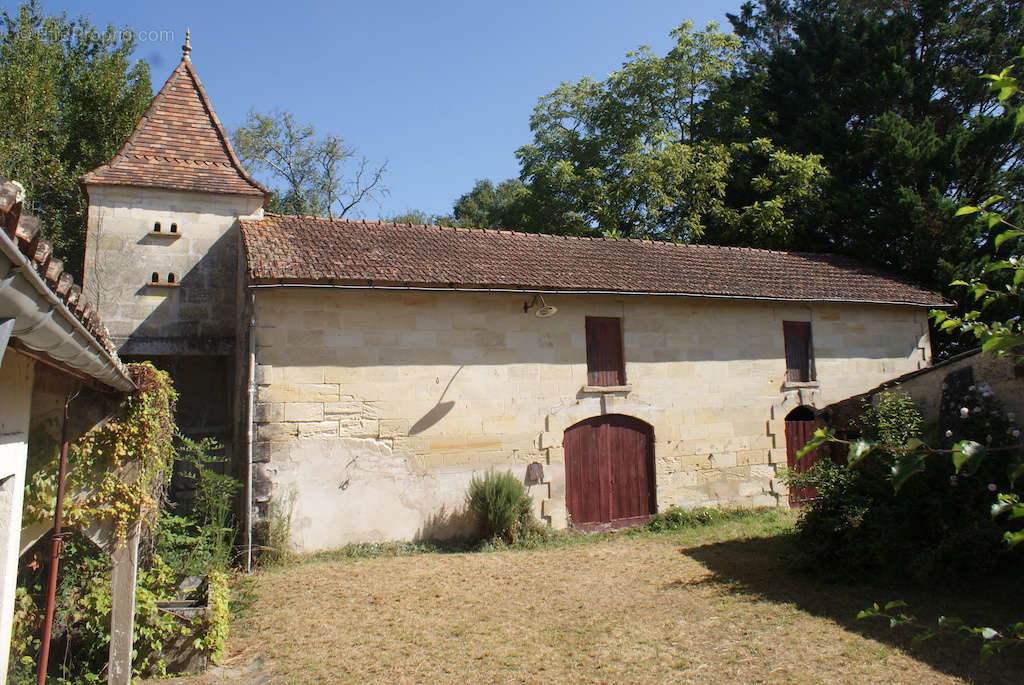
pixel 704 605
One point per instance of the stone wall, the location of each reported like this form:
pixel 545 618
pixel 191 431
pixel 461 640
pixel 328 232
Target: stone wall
pixel 187 327
pixel 374 408
pixel 929 386
pixel 194 315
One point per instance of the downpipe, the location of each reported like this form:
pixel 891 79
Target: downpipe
pixel 249 438
pixel 58 542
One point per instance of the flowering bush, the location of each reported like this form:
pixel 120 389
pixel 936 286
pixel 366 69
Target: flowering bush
pixel 985 442
pixel 888 515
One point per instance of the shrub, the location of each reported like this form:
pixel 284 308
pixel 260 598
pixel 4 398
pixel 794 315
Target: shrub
pixel 677 518
pixel 674 518
pixel 276 530
pixel 938 526
pixel 501 503
pixel 199 543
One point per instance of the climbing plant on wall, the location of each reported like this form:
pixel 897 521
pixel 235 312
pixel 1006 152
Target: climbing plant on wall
pixel 117 473
pixel 117 470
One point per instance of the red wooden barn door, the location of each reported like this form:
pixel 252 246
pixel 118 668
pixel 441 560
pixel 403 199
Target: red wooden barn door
pixel 609 471
pixel 800 426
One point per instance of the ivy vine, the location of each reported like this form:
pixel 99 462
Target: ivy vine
pixel 117 471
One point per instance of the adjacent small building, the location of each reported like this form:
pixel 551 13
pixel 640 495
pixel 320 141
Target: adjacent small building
pixel 53 347
pixel 362 372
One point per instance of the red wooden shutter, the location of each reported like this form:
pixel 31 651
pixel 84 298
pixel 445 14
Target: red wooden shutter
pixel 797 335
pixel 605 364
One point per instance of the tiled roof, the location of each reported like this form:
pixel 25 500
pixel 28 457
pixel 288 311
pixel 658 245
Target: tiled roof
pixel 179 144
pixel 299 249
pixel 24 231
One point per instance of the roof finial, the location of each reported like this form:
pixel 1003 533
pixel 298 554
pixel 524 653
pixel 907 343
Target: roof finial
pixel 186 48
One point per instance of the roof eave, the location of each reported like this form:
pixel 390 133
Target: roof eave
pixel 26 298
pixel 262 281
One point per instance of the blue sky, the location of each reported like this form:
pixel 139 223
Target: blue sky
pixel 442 90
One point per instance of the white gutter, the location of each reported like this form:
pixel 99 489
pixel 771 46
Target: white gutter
pixel 43 322
pixel 538 291
pixel 249 438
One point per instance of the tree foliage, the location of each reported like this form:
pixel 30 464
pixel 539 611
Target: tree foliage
pixel 889 95
pixel 992 301
pixel 505 205
pixel 418 216
pixel 641 154
pixel 71 96
pixel 311 168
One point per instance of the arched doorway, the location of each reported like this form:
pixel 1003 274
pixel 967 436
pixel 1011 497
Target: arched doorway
pixel 800 425
pixel 609 472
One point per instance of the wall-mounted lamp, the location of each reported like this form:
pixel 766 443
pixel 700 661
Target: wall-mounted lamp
pixel 543 311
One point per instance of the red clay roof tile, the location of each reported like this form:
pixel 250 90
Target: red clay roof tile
pixel 179 144
pixel 24 230
pixel 301 249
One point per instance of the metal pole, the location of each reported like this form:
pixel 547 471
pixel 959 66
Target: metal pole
pixel 58 541
pixel 250 397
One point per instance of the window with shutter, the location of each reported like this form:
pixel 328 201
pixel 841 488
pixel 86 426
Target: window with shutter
pixel 797 335
pixel 605 364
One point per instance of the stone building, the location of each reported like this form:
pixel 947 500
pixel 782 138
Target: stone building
pixel 162 249
pixel 370 369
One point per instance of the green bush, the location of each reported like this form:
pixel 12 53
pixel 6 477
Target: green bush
pixel 199 543
pixel 202 540
pixel 674 518
pixel 502 505
pixel 938 527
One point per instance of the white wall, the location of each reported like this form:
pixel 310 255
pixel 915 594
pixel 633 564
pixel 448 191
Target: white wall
pixel 16 377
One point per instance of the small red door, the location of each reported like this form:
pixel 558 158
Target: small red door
pixel 800 426
pixel 609 472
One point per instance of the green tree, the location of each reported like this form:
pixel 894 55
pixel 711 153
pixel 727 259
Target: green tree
pixel 642 154
pixel 71 96
pixel 504 206
pixel 418 216
pixel 312 168
pixel 888 94
pixel 996 291
pixel 984 444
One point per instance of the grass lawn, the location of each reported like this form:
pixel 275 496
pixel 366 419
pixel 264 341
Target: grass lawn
pixel 712 604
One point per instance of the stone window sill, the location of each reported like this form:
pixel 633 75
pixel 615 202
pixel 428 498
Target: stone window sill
pixel 607 388
pixel 162 284
pixel 800 384
pixel 164 234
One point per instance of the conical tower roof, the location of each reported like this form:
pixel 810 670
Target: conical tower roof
pixel 179 144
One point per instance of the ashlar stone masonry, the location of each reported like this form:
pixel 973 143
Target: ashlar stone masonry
pixel 375 408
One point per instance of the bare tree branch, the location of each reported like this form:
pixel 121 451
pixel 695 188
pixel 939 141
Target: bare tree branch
pixel 311 167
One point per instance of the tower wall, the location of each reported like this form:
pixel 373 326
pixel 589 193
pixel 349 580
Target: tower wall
pixel 190 308
pixel 185 325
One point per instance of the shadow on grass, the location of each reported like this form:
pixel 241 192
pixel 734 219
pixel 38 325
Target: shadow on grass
pixel 760 567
